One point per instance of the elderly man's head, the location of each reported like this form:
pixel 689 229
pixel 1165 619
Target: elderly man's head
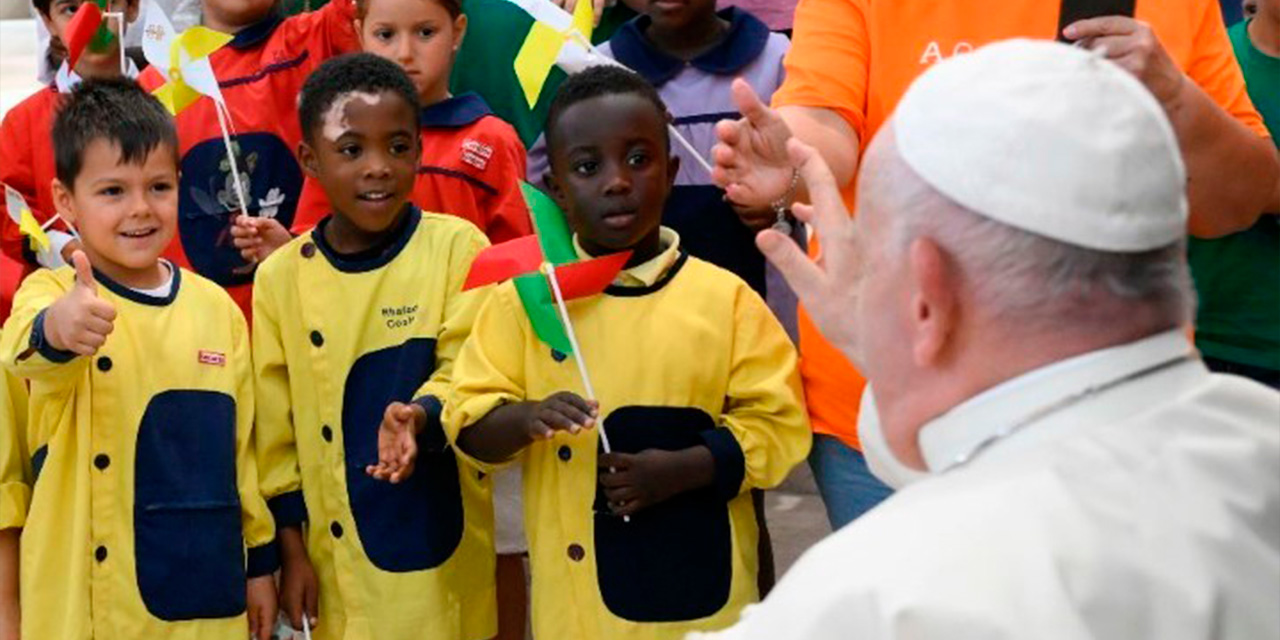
pixel 953 299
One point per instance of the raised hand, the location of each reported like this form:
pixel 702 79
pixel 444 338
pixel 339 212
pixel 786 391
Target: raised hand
pixel 751 162
pixel 398 442
pixel 80 321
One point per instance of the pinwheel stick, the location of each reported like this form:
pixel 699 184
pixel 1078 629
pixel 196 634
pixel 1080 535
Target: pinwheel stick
pixel 119 18
pixel 550 269
pixel 225 124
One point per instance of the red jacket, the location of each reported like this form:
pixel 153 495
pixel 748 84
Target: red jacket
pixel 472 162
pixel 26 164
pixel 260 73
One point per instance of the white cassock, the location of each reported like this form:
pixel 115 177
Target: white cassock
pixel 1147 509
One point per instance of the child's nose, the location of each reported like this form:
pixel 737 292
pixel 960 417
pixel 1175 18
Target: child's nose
pixel 618 182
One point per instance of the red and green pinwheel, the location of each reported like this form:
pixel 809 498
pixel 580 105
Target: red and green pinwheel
pixel 536 263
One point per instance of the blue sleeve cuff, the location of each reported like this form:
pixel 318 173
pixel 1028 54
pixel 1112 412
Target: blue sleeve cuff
pixel 288 509
pixel 263 560
pixel 731 465
pixel 42 346
pixel 431 439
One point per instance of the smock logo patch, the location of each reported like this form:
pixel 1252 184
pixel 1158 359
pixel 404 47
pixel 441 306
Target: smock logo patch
pixel 213 357
pixel 476 153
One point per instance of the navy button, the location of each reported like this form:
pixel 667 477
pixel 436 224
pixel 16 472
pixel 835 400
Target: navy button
pixel 326 433
pixel 336 530
pixel 558 356
pixel 100 554
pixel 317 339
pixel 308 249
pixel 576 552
pixel 104 364
pixel 565 452
pixel 101 461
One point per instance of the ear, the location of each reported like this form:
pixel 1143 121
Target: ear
pixel 459 31
pixel 63 201
pixel 551 184
pixel 358 24
pixel 934 302
pixel 673 170
pixel 307 158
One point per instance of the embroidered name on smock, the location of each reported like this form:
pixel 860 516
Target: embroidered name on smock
pixel 399 317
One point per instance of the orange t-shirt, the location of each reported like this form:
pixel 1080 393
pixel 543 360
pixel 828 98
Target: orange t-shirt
pixel 857 58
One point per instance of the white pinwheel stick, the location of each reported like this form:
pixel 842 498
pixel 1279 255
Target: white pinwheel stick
pixel 183 60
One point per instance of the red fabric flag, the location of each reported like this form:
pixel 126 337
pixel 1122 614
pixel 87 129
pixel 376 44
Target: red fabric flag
pixel 589 277
pixel 504 261
pixel 81 29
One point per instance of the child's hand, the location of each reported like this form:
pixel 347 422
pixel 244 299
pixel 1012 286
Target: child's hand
pixel 299 587
pixel 563 411
pixel 636 481
pixel 80 321
pixel 257 238
pixel 398 442
pixel 261 599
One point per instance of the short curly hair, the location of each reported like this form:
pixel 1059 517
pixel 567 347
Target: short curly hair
pixel 350 73
pixel 593 82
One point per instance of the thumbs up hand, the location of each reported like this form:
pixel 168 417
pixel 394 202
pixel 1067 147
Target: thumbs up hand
pixel 80 321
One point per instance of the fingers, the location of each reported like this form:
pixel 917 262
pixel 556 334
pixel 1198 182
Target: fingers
pixel 804 276
pixel 751 107
pixel 824 191
pixel 614 463
pixel 84 272
pixel 293 607
pixel 1097 27
pixel 311 601
pixel 729 132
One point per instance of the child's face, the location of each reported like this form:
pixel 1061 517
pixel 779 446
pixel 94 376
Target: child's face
pixel 611 172
pixel 230 15
pixel 678 14
pixel 365 155
pixel 418 35
pixel 126 213
pixel 92 64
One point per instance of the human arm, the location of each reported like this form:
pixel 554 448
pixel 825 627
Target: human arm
pixel 56 318
pixel 10 613
pixel 1232 168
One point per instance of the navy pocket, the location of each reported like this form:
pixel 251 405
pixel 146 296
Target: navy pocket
pixel 188 541
pixel 416 524
pixel 672 561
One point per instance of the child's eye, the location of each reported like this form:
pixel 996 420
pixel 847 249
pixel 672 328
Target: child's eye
pixel 162 187
pixel 350 150
pixel 637 160
pixel 426 32
pixel 585 168
pixel 111 191
pixel 383 34
pixel 400 148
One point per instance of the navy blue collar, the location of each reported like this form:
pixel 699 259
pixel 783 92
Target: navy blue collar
pixel 455 112
pixel 256 33
pixel 743 43
pixel 374 257
pixel 137 296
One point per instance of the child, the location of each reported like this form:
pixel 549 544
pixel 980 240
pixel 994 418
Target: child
pixel 697 392
pixel 364 311
pixel 260 72
pixel 15 495
pixel 471 159
pixel 26 157
pixel 145 491
pixel 691 55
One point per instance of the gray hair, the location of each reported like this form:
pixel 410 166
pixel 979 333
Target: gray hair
pixel 1027 280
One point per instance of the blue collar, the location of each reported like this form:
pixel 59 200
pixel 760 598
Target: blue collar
pixel 374 257
pixel 256 33
pixel 137 296
pixel 455 112
pixel 743 43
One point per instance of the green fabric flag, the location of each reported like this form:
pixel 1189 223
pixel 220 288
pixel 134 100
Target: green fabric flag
pixel 550 225
pixel 540 306
pixel 102 38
